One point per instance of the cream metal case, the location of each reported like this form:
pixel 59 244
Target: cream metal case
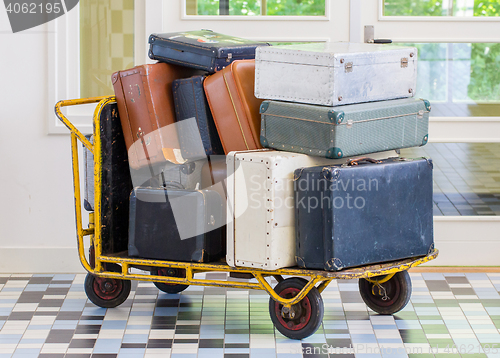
pixel 260 205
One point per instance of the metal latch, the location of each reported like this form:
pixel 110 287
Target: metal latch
pixel 420 114
pixel 229 57
pixel 348 67
pixel 404 62
pixel 349 123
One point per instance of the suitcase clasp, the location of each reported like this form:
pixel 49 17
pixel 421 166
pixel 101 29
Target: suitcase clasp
pixel 348 67
pixel 229 57
pixel 404 62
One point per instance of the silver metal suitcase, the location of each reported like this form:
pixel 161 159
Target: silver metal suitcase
pixel 335 73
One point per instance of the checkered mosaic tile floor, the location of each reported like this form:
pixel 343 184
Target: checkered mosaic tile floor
pixel 466 177
pixel 450 315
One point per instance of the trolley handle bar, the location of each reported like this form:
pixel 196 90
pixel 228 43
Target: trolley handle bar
pixel 71 126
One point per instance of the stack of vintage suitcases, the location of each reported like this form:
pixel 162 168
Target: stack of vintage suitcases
pixel 260 153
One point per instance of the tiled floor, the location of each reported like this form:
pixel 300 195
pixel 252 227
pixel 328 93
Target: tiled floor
pixel 49 316
pixel 466 177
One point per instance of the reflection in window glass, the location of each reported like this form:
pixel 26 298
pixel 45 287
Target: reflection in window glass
pixel 106 43
pixel 256 7
pixel 460 79
pixel 467 8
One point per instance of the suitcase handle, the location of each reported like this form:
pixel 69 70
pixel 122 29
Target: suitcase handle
pixel 362 160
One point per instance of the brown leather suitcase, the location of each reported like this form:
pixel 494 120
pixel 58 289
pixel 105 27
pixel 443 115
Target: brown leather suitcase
pixel 214 175
pixel 230 95
pixel 146 108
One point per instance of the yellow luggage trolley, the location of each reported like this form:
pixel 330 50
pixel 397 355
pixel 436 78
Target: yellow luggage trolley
pixel 295 303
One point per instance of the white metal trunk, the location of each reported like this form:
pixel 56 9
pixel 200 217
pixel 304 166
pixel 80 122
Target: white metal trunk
pixel 335 73
pixel 261 206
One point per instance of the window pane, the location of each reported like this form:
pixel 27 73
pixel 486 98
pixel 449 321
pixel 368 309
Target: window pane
pixel 106 43
pixel 460 79
pixel 467 8
pixel 256 7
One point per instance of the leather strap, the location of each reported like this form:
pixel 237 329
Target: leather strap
pixel 358 161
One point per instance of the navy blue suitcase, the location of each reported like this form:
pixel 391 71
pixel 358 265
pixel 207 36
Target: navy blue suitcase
pixel 176 224
pixel 204 50
pixel 191 105
pixel 363 212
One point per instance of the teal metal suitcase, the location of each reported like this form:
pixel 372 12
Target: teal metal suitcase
pixel 344 131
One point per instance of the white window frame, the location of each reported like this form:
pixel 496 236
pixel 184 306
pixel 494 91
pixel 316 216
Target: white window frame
pixel 63 70
pixel 449 29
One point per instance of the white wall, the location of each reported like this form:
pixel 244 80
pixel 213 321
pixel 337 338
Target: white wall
pixel 36 214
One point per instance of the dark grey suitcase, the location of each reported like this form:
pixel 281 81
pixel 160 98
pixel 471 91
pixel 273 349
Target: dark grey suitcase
pixel 176 224
pixel 196 128
pixel 204 50
pixel 363 213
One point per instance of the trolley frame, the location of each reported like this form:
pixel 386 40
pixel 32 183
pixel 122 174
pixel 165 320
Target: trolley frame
pixel 317 278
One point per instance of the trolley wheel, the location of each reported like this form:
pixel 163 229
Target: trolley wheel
pixel 170 287
pixel 107 292
pixel 304 318
pixel 388 297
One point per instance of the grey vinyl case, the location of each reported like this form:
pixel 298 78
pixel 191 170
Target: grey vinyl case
pixel 343 131
pixel 335 73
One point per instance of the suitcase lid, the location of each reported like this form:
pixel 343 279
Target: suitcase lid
pixel 338 54
pixel 346 114
pixel 205 41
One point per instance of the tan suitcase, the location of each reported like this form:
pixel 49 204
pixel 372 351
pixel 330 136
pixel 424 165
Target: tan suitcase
pixel 146 108
pixel 230 95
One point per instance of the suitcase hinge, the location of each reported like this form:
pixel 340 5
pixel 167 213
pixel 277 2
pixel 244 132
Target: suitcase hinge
pixel 404 62
pixel 420 114
pixel 348 67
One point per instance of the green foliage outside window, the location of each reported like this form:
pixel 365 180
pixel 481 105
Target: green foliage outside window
pixel 274 7
pixel 484 58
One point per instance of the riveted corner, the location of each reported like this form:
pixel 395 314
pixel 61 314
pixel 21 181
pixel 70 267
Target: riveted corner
pixel 425 139
pixel 300 262
pixel 431 248
pixel 152 39
pixel 338 264
pixel 150 54
pixel 427 105
pixel 334 153
pixel 429 162
pixel 297 173
pixel 336 116
pixel 264 106
pixel 263 141
pixel 334 264
pixel 330 173
pixel 114 77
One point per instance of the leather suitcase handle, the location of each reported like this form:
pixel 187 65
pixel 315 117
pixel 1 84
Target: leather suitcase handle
pixel 362 160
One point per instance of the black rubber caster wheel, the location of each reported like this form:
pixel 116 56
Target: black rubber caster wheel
pixel 304 318
pixel 107 292
pixel 388 297
pixel 170 287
